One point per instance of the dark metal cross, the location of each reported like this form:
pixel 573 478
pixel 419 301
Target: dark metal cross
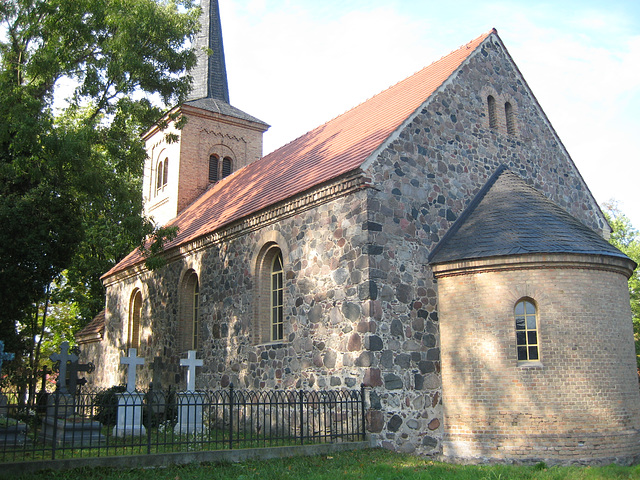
pixel 157 366
pixel 74 368
pixel 45 372
pixel 62 358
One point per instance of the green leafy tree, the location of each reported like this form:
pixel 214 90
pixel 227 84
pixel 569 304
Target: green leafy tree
pixel 626 238
pixel 70 176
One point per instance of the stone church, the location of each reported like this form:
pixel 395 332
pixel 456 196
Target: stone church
pixel 435 243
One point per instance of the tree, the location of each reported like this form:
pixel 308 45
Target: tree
pixel 627 239
pixel 70 178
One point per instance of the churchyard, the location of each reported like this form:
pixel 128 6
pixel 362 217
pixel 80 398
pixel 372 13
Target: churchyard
pixel 75 423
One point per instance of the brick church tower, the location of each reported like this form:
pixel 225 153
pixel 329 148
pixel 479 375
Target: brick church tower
pixel 216 140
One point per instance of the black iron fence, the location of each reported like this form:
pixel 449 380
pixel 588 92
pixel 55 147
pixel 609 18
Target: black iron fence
pixel 114 422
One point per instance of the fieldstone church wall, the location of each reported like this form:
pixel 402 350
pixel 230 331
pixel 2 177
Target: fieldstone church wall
pixel 361 303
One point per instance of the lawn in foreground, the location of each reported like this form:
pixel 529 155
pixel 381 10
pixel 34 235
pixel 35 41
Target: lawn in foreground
pixel 373 464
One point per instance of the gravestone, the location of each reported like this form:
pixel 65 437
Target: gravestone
pixel 62 425
pixel 130 403
pixel 156 397
pixel 43 395
pixel 12 432
pixel 61 403
pixel 76 367
pixel 190 402
pixel 4 356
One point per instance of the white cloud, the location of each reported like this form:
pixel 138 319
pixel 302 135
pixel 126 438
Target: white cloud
pixel 298 64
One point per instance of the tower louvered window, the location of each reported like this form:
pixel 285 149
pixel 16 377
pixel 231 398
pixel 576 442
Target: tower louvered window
pixel 226 167
pixel 213 168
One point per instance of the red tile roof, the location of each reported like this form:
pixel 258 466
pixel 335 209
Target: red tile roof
pixel 337 147
pixel 93 331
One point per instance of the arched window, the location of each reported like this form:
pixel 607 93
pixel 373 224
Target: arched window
pixel 277 298
pixel 213 168
pixel 269 324
pixel 135 314
pixel 159 175
pixel 493 119
pixel 189 312
pixel 165 177
pixel 226 167
pixel 508 115
pixel 162 174
pixel 526 317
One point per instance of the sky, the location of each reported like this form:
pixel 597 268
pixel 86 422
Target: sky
pixel 296 64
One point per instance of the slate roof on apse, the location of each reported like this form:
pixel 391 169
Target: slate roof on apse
pixel 339 146
pixel 509 217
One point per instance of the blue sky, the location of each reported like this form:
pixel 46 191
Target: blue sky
pixel 297 63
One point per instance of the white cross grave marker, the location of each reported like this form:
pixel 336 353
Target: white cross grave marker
pixel 63 357
pixel 132 360
pixel 192 363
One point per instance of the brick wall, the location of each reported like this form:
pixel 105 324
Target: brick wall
pixel 580 400
pixel 204 134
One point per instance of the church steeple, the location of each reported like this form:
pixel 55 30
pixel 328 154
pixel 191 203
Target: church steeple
pixel 210 73
pixel 216 140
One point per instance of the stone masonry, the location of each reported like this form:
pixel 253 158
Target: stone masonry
pixel 361 303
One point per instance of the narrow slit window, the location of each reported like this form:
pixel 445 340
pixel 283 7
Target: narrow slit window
pixel 508 114
pixel 493 118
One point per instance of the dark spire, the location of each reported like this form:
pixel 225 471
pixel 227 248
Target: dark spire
pixel 210 74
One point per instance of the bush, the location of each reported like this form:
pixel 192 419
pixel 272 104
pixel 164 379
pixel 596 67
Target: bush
pixel 160 408
pixel 106 403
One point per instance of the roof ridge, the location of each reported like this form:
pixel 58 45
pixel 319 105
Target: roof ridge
pixel 390 87
pixel 334 148
pixel 466 213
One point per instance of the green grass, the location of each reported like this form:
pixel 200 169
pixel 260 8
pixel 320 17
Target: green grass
pixel 363 464
pixel 160 441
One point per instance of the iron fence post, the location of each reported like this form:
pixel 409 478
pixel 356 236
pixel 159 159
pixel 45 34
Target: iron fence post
pixel 364 426
pixel 54 436
pixel 149 417
pixel 301 417
pixel 231 416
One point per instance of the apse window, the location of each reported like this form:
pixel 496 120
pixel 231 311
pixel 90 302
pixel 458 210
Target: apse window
pixel 526 317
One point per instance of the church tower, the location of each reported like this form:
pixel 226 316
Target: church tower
pixel 217 139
